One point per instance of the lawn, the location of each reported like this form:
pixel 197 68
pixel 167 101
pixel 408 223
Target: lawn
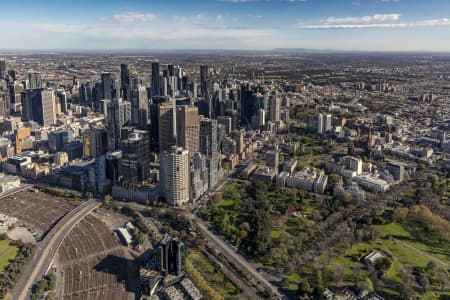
pixel 441 251
pixel 225 203
pixel 7 252
pixel 407 252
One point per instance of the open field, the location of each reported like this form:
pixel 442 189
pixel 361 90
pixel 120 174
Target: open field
pixel 407 253
pixel 7 253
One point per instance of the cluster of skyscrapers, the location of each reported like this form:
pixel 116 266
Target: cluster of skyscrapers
pixel 176 132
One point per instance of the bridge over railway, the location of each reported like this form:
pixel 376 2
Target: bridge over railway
pixel 48 247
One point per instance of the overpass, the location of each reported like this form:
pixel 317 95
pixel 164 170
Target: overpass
pixel 48 247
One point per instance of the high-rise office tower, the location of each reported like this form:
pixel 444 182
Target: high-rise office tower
pixel 274 108
pixel 318 123
pixel 12 75
pixel 5 104
pixel 34 80
pixel 62 102
pixel 204 72
pixel 135 163
pixel 208 137
pixel 125 84
pixel 174 176
pixel 164 86
pixel 156 82
pixel 248 105
pixel 238 136
pixel 227 122
pixel 95 142
pixel 85 92
pixel 261 117
pixel 113 169
pixel 188 128
pixel 139 107
pixel 205 90
pixel 108 86
pixel 171 69
pixel 171 257
pixel 167 125
pixel 327 122
pixel 209 146
pixel 39 105
pixel 58 139
pixel 15 90
pixel 2 69
pixel 119 113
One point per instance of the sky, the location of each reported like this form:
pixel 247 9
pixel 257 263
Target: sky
pixel 366 25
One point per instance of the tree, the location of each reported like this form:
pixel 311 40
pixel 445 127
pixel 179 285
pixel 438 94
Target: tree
pixel 107 199
pixel 263 227
pixel 338 273
pixel 383 264
pixel 304 287
pixel 357 273
pixel 368 285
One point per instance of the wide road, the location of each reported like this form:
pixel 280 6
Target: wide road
pixel 231 255
pixel 21 188
pixel 48 247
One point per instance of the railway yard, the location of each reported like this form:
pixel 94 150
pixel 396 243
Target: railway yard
pixel 37 211
pixel 91 262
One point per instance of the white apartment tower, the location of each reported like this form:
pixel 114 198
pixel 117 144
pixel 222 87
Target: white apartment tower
pixel 174 176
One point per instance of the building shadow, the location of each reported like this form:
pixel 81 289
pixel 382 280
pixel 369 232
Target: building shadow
pixel 125 270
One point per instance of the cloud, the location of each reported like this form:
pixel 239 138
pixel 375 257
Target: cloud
pixel 364 19
pixel 389 1
pixel 196 19
pixel 423 23
pixel 169 29
pixel 132 17
pixel 239 1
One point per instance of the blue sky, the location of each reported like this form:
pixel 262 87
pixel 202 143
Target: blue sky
pixel 226 24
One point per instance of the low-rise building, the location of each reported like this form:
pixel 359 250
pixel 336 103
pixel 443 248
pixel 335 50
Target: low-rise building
pixel 308 179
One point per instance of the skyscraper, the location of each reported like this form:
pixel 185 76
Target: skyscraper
pixel 119 113
pixel 139 107
pixel 188 128
pixel 2 69
pixel 34 80
pixel 156 82
pixel 209 146
pixel 205 90
pixel 108 86
pixel 204 74
pixel 327 123
pixel 248 105
pixel 274 108
pixel 39 105
pixel 171 69
pixel 125 82
pixel 85 92
pixel 4 104
pixel 167 126
pixel 319 123
pixel 135 163
pixel 95 142
pixel 174 176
